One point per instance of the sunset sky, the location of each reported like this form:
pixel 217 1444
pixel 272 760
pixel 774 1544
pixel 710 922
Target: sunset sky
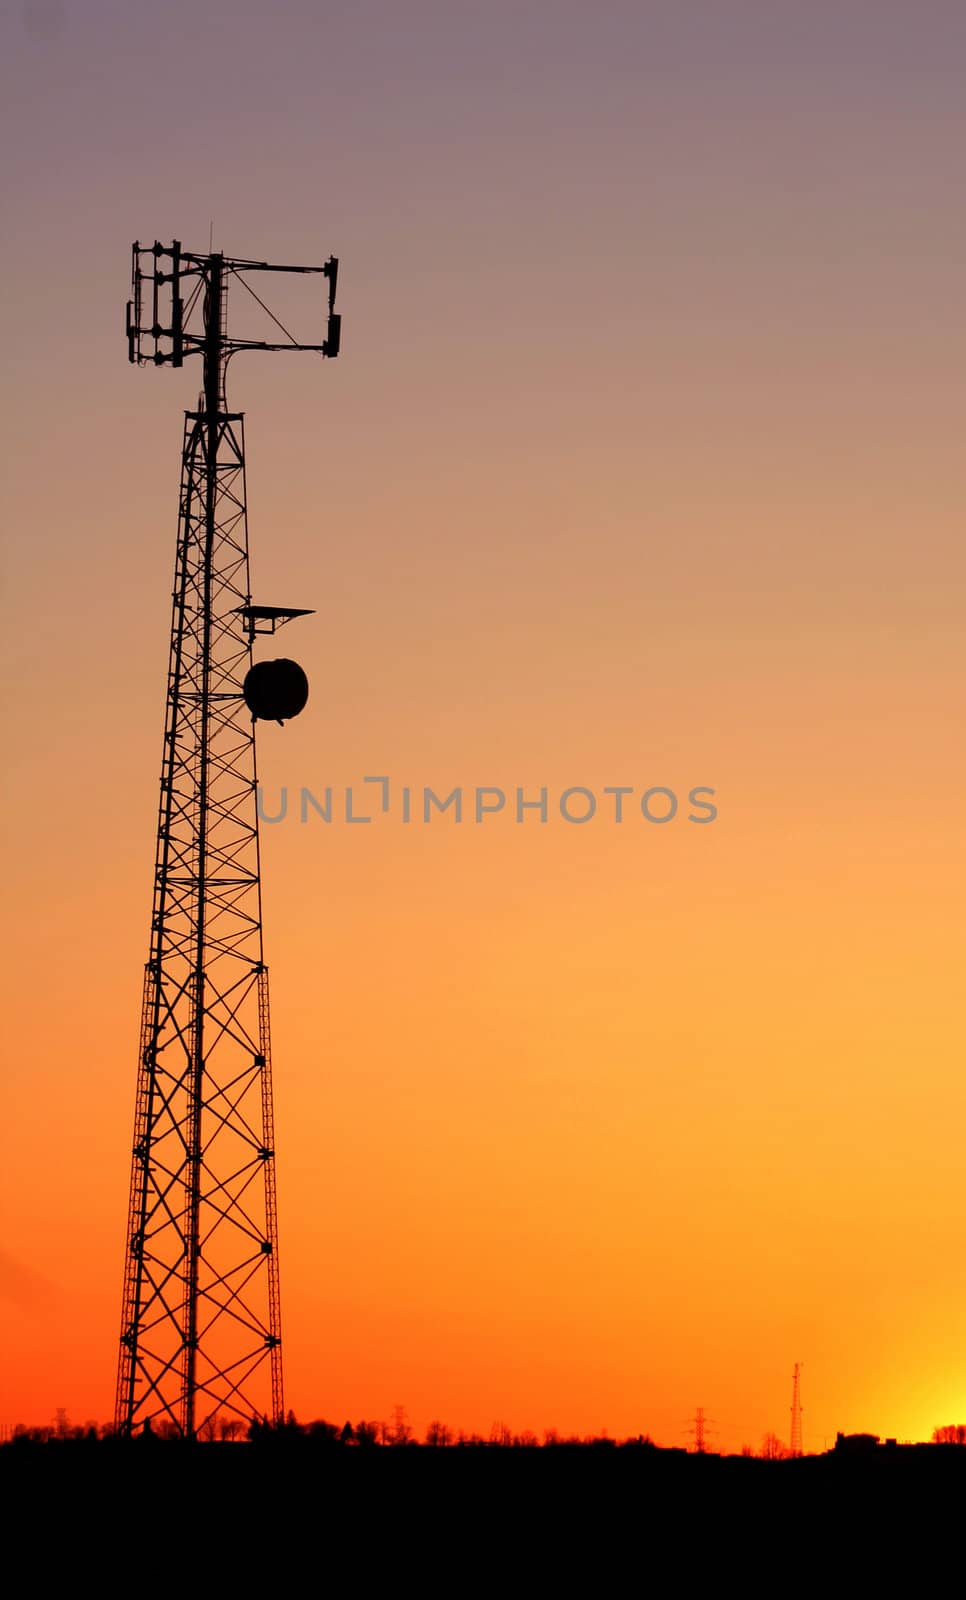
pixel 642 465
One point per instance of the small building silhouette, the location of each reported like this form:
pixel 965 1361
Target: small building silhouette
pixel 856 1443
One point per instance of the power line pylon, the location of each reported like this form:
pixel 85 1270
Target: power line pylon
pixel 699 1430
pixel 201 1319
pixel 699 1443
pixel 795 1441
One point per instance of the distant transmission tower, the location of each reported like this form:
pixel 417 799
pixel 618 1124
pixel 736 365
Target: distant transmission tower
pixel 795 1442
pixel 699 1431
pixel 201 1326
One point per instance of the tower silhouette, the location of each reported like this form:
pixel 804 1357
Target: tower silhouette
pixel 699 1430
pixel 201 1315
pixel 795 1441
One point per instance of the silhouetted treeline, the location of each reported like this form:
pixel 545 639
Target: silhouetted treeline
pixel 399 1434
pixel 439 1436
pixel 358 1435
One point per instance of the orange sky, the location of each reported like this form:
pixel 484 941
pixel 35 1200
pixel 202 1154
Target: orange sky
pixel 642 465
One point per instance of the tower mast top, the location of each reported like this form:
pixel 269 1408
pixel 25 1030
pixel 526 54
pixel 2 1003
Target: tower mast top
pixel 167 283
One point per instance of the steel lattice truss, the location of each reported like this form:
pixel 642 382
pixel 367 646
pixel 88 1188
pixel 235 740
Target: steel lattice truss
pixel 201 1300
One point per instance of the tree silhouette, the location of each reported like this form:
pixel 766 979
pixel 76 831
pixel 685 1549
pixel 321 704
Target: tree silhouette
pixel 772 1448
pixel 952 1433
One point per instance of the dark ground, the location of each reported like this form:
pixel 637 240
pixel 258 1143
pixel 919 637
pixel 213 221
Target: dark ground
pixel 301 1517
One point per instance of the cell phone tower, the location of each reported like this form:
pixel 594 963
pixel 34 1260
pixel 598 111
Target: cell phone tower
pixel 201 1322
pixel 795 1442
